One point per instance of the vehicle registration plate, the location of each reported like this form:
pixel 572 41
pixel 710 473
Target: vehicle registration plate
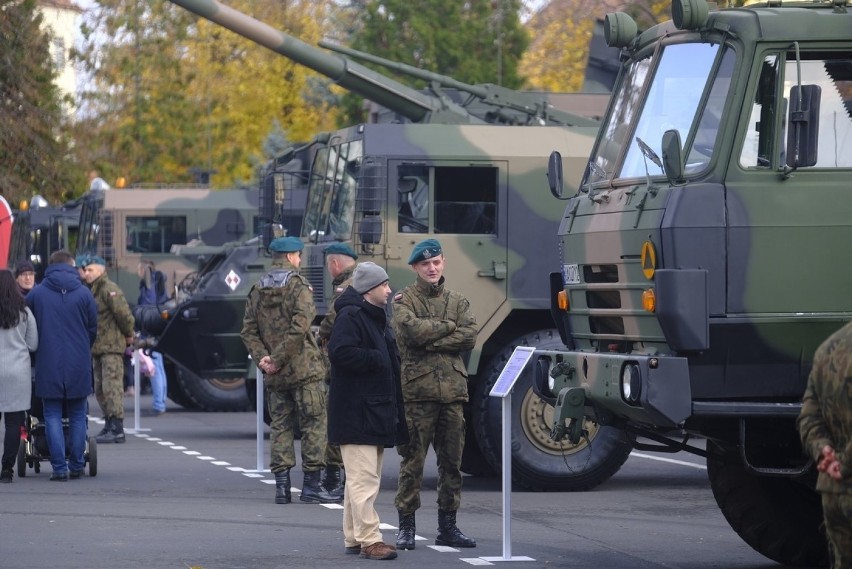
pixel 571 273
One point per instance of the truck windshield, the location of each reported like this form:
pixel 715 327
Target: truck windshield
pixel 655 98
pixel 87 240
pixel 330 210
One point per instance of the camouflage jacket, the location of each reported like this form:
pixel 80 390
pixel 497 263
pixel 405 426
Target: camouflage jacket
pixel 339 284
pixel 115 319
pixel 826 417
pixel 433 326
pixel 279 312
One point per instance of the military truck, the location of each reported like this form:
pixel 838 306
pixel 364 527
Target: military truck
pixel 457 171
pixel 40 229
pixel 180 229
pixel 704 257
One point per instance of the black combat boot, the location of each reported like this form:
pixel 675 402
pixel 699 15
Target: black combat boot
pixel 334 480
pixel 405 535
pixel 115 433
pixel 449 534
pixel 313 493
pixel 282 487
pixel 107 427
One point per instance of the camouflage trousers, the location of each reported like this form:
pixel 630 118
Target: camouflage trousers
pixel 442 426
pixel 109 384
pixel 304 406
pixel 837 509
pixel 332 452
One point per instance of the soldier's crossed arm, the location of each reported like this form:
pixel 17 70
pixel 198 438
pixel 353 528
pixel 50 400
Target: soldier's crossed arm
pixel 418 332
pixel 463 338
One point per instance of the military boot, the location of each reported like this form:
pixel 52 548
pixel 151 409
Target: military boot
pixel 118 430
pixel 334 480
pixel 282 487
pixel 449 534
pixel 405 535
pixel 107 427
pixel 313 493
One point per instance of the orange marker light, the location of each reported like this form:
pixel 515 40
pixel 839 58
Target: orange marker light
pixel 562 300
pixel 649 300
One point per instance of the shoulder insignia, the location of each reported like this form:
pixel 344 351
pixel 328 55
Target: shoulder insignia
pixel 397 297
pixel 112 293
pixel 339 289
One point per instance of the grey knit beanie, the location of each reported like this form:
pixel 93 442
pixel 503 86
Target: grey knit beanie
pixel 367 276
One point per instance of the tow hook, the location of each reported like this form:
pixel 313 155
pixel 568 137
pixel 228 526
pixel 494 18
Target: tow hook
pixel 570 406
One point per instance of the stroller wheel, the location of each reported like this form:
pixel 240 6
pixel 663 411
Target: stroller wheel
pixel 92 456
pixel 22 459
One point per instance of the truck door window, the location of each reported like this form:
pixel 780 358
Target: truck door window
pixel 155 234
pixel 832 72
pixel 466 200
pixel 413 186
pixel 331 195
pixel 760 136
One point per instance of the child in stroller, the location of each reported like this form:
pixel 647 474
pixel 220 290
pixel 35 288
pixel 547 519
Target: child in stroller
pixel 33 449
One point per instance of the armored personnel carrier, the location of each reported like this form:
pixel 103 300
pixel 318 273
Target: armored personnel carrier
pixel 704 257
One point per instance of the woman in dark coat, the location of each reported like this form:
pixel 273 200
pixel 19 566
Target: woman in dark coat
pixel 365 408
pixel 67 319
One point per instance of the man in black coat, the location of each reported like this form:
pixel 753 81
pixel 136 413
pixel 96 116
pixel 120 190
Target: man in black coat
pixel 365 408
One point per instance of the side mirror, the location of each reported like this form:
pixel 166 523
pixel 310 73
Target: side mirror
pixel 555 177
pixel 672 156
pixel 803 125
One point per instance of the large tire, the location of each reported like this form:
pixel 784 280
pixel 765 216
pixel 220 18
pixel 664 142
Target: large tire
pixel 213 394
pixel 539 463
pixel 174 390
pixel 473 461
pixel 778 517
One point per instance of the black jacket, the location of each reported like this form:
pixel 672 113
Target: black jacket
pixel 365 396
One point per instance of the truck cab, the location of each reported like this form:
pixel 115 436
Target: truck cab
pixel 704 258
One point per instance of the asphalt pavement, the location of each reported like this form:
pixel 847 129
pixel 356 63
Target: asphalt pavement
pixel 184 492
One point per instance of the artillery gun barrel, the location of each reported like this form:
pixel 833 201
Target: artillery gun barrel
pixel 350 75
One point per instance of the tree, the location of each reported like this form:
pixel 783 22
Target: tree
pixel 476 41
pixel 33 143
pixel 171 93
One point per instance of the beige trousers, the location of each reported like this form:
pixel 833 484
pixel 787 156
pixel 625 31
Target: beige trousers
pixel 363 465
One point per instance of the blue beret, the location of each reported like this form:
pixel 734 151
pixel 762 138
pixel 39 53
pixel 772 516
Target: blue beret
pixel 81 261
pixel 94 260
pixel 286 245
pixel 426 249
pixel 341 249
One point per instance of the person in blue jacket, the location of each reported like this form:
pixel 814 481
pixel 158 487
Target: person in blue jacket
pixel 67 319
pixel 152 292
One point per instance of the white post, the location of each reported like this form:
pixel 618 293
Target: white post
pixel 259 414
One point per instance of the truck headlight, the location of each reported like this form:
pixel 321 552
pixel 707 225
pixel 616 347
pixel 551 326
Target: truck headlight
pixel 631 383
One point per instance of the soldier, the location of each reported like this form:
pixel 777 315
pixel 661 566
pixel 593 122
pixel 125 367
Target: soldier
pixel 115 333
pixel 434 325
pixel 277 333
pixel 825 427
pixel 340 263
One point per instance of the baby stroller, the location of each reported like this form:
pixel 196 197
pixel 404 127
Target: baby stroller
pixel 33 450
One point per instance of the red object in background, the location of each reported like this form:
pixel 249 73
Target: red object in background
pixel 5 231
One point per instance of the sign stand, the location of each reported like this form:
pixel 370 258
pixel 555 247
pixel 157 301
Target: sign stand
pixel 259 422
pixel 137 388
pixel 503 389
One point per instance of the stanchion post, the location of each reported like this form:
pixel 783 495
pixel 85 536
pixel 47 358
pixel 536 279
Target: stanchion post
pixel 260 408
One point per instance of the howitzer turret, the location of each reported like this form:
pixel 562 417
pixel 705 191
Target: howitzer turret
pixel 509 106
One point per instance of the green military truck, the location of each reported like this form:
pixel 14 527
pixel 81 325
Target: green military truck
pixel 464 167
pixel 706 256
pixel 179 229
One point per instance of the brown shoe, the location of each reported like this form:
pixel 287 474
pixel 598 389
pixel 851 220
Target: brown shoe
pixel 379 551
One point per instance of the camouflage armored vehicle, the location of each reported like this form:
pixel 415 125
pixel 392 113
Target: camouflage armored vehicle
pixel 178 229
pixel 705 256
pixel 454 171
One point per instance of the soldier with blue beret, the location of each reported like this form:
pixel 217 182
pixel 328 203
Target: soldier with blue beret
pixel 434 327
pixel 426 249
pixel 95 260
pixel 286 245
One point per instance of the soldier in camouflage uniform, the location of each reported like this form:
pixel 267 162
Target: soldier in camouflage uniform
pixel 277 333
pixel 434 325
pixel 340 263
pixel 115 333
pixel 825 426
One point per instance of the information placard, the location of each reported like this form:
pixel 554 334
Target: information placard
pixel 511 371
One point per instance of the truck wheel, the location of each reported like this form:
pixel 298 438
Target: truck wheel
pixel 473 461
pixel 778 517
pixel 174 390
pixel 213 394
pixel 538 463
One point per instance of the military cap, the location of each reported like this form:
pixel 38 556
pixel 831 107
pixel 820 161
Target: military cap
pixel 341 249
pixel 286 245
pixel 94 260
pixel 81 261
pixel 426 249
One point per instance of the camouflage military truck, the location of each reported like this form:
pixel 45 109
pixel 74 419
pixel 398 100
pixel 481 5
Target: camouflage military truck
pixel 180 230
pixel 40 229
pixel 705 256
pixel 455 171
